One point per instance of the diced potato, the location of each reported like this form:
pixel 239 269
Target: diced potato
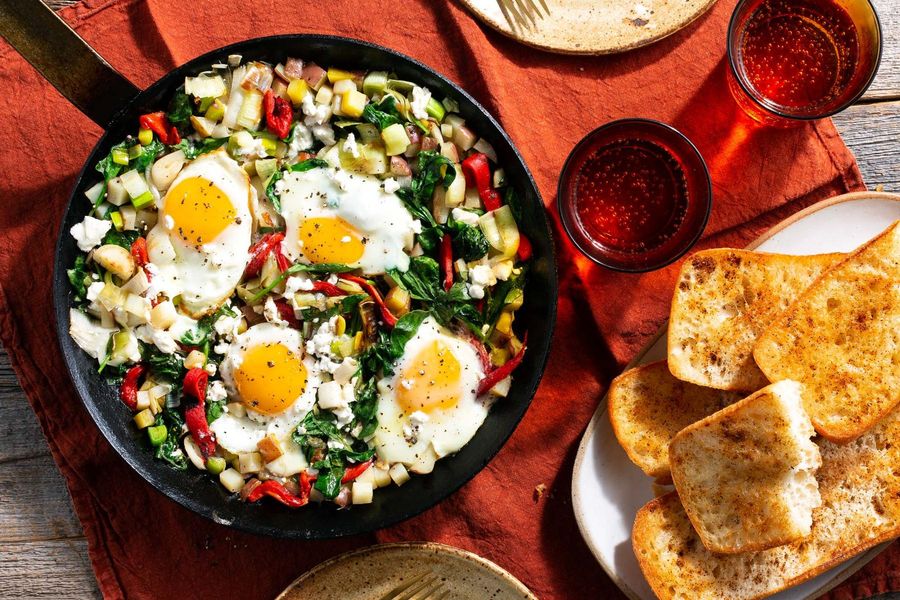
pixel 361 492
pixel 137 284
pixel 166 169
pixel 335 75
pixel 353 103
pixel 330 395
pixel 464 137
pixel 346 370
pixel 367 476
pixel 129 217
pixel 399 474
pixel 395 139
pixel 231 480
pixel 194 360
pixel 501 388
pixel 343 85
pixel 270 448
pixel 202 125
pixel 116 193
pixel 143 400
pixel 381 477
pixel 450 151
pixel 425 462
pixel 324 95
pixel 251 462
pixel 314 75
pixel 163 315
pixel 115 259
pixel 144 419
pixel 398 301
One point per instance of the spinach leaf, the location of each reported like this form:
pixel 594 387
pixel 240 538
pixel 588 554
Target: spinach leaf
pixel 304 165
pixel 148 155
pixel 405 329
pixel 180 109
pixel 433 170
pixel 421 279
pixel 194 149
pixel 469 242
pixel 202 336
pixel 313 435
pixel 214 410
pixel 107 166
pixel 78 276
pixel 120 238
pixel 365 409
pixel 384 114
pixel 345 306
pixel 170 451
pixel 162 366
pixel 511 198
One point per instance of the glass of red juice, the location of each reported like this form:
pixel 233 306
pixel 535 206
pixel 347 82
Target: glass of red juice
pixel 798 60
pixel 634 195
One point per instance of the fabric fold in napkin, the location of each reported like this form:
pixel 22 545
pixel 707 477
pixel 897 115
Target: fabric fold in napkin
pixel 144 546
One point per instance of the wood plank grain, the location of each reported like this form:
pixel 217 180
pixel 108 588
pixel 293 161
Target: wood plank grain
pixel 20 435
pixel 887 82
pixel 50 569
pixel 35 505
pixel 872 132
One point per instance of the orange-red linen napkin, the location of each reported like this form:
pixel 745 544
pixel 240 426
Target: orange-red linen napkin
pixel 145 546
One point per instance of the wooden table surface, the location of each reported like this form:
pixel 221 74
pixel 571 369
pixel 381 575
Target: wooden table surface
pixel 42 550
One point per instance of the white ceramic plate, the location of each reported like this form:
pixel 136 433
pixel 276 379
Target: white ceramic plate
pixel 608 490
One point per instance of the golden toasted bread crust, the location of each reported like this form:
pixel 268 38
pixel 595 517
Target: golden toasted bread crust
pixel 723 299
pixel 860 487
pixel 648 406
pixel 841 339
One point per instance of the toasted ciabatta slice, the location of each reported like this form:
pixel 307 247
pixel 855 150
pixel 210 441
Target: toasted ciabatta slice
pixel 841 339
pixel 648 406
pixel 723 299
pixel 860 488
pixel 746 475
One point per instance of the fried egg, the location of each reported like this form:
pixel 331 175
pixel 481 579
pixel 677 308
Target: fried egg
pixel 334 216
pixel 429 407
pixel 265 370
pixel 199 246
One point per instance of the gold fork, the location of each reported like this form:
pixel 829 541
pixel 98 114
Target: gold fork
pixel 523 13
pixel 424 586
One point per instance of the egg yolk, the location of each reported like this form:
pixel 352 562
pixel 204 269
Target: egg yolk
pixel 330 240
pixel 431 380
pixel 199 209
pixel 270 378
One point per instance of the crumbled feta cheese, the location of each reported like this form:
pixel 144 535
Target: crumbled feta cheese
pixel 297 283
pixel 169 222
pixel 391 185
pixel 324 133
pixel 345 371
pixel 227 326
pixel 316 114
pixel 320 343
pixel 503 269
pixel 418 418
pixel 159 338
pixel 350 146
pixel 221 348
pixel 94 289
pixel 89 335
pixel 476 292
pixel 216 391
pixel 482 275
pixel 343 178
pixel 464 216
pixel 302 140
pixel 420 98
pixel 89 233
pixel 270 312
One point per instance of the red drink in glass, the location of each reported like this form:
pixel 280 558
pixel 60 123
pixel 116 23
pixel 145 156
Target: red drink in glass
pixel 634 195
pixel 794 60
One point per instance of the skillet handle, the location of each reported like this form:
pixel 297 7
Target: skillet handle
pixel 65 59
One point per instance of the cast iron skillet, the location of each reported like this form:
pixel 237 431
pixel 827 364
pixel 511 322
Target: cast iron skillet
pixel 114 103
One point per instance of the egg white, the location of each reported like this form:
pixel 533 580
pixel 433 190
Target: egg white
pixel 204 275
pixel 386 227
pixel 241 434
pixel 446 430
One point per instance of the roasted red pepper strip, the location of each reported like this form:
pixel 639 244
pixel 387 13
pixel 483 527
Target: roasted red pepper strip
pixel 128 391
pixel 194 389
pixel 140 255
pixel 501 373
pixel 275 489
pixel 389 319
pixel 478 175
pixel 306 483
pixel 447 261
pixel 283 262
pixel 279 114
pixel 525 251
pixel 351 473
pixel 329 289
pixel 158 123
pixel 286 312
pixel 259 252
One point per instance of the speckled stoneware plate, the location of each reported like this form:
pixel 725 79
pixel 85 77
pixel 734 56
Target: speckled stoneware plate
pixel 608 490
pixel 372 573
pixel 591 26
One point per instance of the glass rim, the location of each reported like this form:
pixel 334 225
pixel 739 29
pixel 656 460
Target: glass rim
pixel 568 226
pixel 784 115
